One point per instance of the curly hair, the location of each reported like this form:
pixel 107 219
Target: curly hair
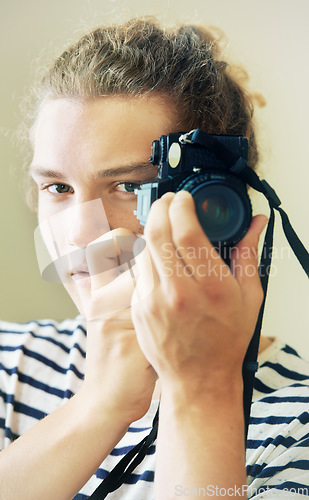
pixel 182 64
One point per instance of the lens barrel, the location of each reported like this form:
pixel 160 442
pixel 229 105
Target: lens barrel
pixel 222 204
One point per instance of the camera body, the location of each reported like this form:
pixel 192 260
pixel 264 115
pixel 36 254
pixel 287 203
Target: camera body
pixel 191 162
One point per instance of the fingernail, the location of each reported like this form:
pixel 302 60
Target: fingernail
pixel 168 195
pixel 182 195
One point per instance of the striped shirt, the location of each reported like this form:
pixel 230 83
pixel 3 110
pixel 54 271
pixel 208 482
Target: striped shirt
pixel 42 365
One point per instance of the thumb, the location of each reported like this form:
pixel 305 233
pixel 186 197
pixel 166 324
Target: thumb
pixel 109 256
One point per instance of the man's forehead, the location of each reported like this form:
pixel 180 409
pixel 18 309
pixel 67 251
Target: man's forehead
pixel 135 169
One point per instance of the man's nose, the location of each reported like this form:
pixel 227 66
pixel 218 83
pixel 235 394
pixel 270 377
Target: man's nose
pixel 86 223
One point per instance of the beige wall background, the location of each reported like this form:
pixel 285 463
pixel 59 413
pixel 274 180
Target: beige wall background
pixel 269 37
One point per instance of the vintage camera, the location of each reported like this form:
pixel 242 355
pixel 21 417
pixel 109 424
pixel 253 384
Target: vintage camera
pixel 191 162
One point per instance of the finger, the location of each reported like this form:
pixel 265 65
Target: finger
pixel 147 277
pixel 191 242
pixel 244 256
pixel 113 297
pixel 109 256
pixel 158 235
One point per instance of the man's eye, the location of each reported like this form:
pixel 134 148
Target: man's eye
pixel 127 187
pixel 58 188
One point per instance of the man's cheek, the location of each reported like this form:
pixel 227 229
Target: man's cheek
pixel 51 250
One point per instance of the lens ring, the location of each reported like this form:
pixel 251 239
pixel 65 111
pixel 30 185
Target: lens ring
pixel 222 205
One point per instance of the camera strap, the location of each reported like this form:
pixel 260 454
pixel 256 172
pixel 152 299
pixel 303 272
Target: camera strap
pixel 240 168
pixel 121 472
pixel 250 364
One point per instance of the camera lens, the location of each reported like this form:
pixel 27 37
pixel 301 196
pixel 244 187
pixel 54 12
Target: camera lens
pixel 216 211
pixel 220 212
pixel 222 206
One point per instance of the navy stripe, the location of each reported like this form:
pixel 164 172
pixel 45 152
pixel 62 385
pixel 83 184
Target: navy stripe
pixel 26 379
pixel 116 452
pixel 9 371
pixel 254 444
pixel 50 363
pixel 285 399
pixel 304 443
pixel 21 347
pixel 138 429
pixel 296 486
pixel 22 407
pixel 285 372
pixel 7 398
pixel 78 348
pixel 289 350
pixel 7 431
pixel 81 496
pixel 264 470
pixel 261 387
pixel 125 449
pixel 12 371
pixel 271 420
pixel 298 385
pixel 304 418
pixel 147 475
pixel 287 442
pixel 43 325
pixel 48 339
pixel 101 473
pixel 300 488
pixel 29 411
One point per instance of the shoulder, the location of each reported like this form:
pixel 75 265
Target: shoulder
pixel 277 446
pixel 41 348
pixel 281 365
pixel 282 381
pixel 41 366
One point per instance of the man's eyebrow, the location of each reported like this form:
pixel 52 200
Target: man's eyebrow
pixel 119 171
pixel 45 172
pixel 100 174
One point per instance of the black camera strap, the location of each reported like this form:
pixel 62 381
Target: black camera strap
pixel 121 472
pixel 250 364
pixel 239 167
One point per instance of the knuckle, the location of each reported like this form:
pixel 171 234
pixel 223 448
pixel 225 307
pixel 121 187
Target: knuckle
pixel 146 305
pixel 152 232
pixel 214 292
pixel 178 300
pixel 185 238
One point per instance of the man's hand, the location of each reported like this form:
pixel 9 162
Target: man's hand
pixel 194 318
pixel 196 323
pixel 118 376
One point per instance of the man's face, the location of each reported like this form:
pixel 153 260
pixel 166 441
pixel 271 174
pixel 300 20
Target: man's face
pixel 88 158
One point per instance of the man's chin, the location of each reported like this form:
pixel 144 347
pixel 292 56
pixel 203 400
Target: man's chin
pixel 79 290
